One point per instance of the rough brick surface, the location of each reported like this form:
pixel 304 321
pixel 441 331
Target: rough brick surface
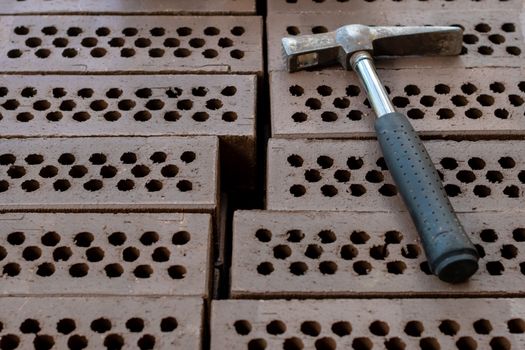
pixel 351 175
pixel 128 6
pixel 318 254
pixel 101 323
pixel 105 254
pixel 109 173
pixel 332 103
pixel 102 44
pixel 367 324
pixel 127 105
pixel 382 5
pixel 483 46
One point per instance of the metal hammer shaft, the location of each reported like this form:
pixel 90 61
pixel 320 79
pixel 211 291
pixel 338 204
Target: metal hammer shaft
pixel 450 253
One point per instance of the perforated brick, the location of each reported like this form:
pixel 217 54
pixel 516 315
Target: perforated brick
pixel 108 173
pixel 182 7
pixel 491 38
pixel 367 324
pixel 448 102
pixel 352 175
pixel 100 323
pixel 105 254
pixel 131 44
pixel 392 5
pixel 318 254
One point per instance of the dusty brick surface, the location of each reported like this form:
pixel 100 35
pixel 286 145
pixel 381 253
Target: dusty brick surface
pixel 331 104
pixel 480 28
pixel 109 173
pixel 128 6
pixel 101 323
pixel 104 254
pixel 103 44
pixel 319 254
pixel 350 175
pixel 317 6
pixel 367 324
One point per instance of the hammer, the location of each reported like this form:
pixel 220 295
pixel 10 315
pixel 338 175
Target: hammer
pixel 450 253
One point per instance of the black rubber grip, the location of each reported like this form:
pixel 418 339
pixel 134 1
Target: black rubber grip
pixel 450 253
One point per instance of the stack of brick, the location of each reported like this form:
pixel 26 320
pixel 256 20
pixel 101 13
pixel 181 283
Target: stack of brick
pixel 113 119
pixel 335 227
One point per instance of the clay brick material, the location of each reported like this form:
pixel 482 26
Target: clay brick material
pixel 104 254
pixel 182 7
pixel 351 175
pixel 345 254
pixel 109 173
pixel 127 105
pixel 85 44
pixel 491 38
pixel 317 6
pixel 367 324
pixel 101 323
pixel 332 104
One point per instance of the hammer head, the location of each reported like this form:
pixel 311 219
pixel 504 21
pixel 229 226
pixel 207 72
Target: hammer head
pixel 338 46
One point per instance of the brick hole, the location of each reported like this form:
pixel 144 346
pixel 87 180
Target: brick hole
pixel 7 158
pixel 83 239
pixel 161 254
pixel 342 175
pixel 476 163
pixel 89 42
pixel 81 116
pixel 500 343
pixel 146 342
pixel 16 238
pixel 311 328
pixel 341 102
pixel 16 53
pixel 483 28
pixel 197 43
pixel 200 116
pixel 265 268
pixel 45 269
pixel 282 251
pixel 11 269
pixel 482 191
pixel 211 31
pixel 12 105
pixel 40 105
pixel 362 343
pixel 519 234
pixel 28 92
pixel 466 343
pixel 117 238
pixel 48 171
pixel 412 90
pixel 313 251
pixel 473 113
pixel 425 268
pixel 512 191
pixel 172 116
pixel 482 326
pixel 509 251
pixel 31 253
pixel 362 267
pixel 427 101
pixel 156 185
pixel 313 104
pixel 329 190
pixel 67 105
pixel 16 171
pixel 210 53
pixel 101 325
pixel 142 271
pixel 328 267
pixel 494 176
pixel 379 252
pixel 295 160
pixel 294 236
pixel 341 328
pixel 516 326
pixel 459 100
pixel 125 185
pixel 497 39
pixel 521 86
pixel 429 344
pixel 113 270
pixel 21 30
pixel 3 91
pixel 77 342
pixel 4 186
pixel 293 343
pixel 237 30
pixel 169 171
pixel 72 31
pixel 388 190
pixel 257 344
pixel 3 254
pixel 177 272
pixel 66 326
pixel 325 162
pixel 42 53
pixel 185 105
pixel 70 53
pixel 508 27
pixel 513 50
pixel 24 117
pixel 400 102
pixel 325 343
pixel 94 254
pixel 54 116
pixel 9 342
pixel 181 238
pixel 515 100
pixel 143 93
pixel 379 328
pixel 354 163
pixel 449 327
pixel 140 170
pixel 319 30
pixel 142 42
pixel 275 327
pixel 414 328
pixel 214 104
pixel 108 171
pixel 507 162
pixel 30 185
pixel 182 52
pixel 62 254
pixel 43 342
pixel 30 325
pixel 126 105
pixel 327 236
pixel 355 115
pixel 158 157
pixel 298 268
pixel 348 252
pixel 61 42
pixel 79 270
pixel 396 267
pixel 497 87
pixel 113 342
pixel 466 176
pixel 229 116
pixel 263 235
pixel 322 90
pixel 225 42
pixel 395 344
pixel 61 185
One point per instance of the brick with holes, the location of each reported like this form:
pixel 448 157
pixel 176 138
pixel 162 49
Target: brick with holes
pixel 317 6
pixel 480 27
pixel 105 254
pixel 350 175
pixel 158 44
pixel 97 323
pixel 345 254
pixel 367 324
pixel 331 104
pixel 131 173
pixel 182 7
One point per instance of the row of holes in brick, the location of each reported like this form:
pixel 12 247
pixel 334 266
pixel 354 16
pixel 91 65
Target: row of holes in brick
pixel 380 329
pixel 101 325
